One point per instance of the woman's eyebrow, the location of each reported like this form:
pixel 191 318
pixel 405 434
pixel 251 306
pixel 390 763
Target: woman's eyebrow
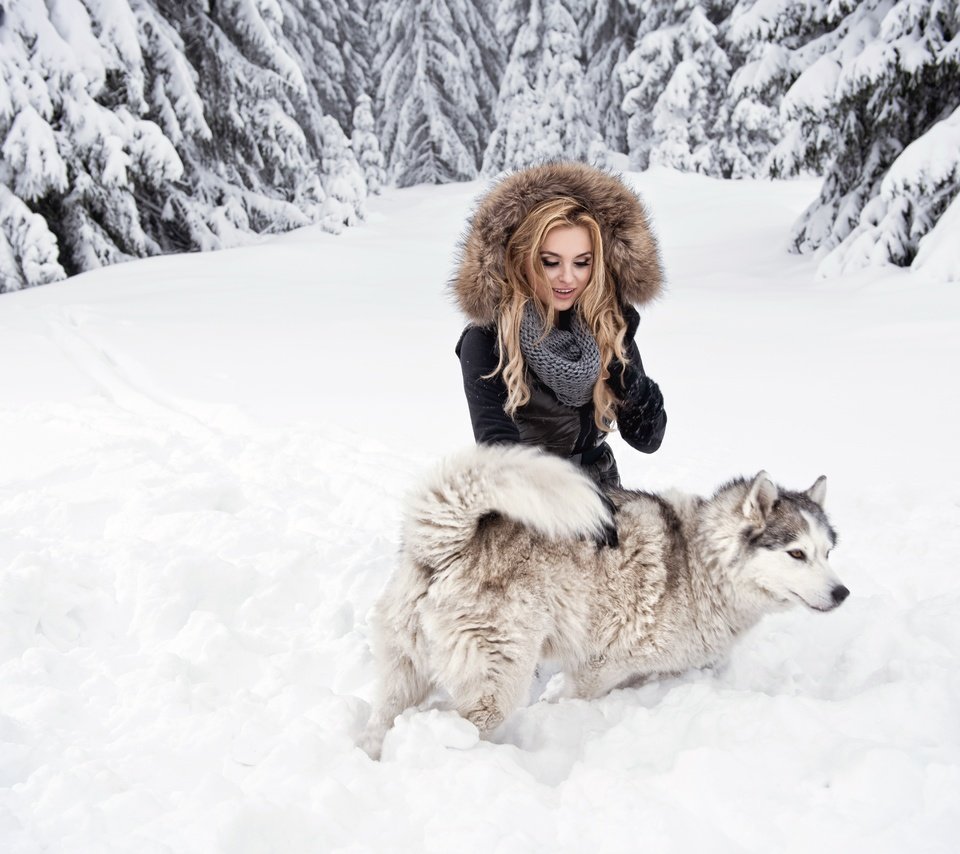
pixel 557 254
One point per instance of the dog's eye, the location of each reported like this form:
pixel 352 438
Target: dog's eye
pixel 797 554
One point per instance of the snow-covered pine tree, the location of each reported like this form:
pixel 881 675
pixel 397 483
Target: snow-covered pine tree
pixel 891 75
pixel 143 126
pixel 77 149
pixel 644 75
pixel 675 80
pixel 334 47
pixel 28 249
pixel 342 180
pixel 30 168
pixel 769 44
pixel 925 179
pixel 437 88
pixel 266 130
pixel 508 19
pixel 366 146
pixel 758 37
pixel 544 110
pixel 608 39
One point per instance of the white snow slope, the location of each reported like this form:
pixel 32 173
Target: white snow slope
pixel 203 459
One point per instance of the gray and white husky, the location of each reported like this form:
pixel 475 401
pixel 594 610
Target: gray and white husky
pixel 500 566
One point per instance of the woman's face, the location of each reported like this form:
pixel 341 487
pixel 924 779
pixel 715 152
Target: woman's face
pixel 566 259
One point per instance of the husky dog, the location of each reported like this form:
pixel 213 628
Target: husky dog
pixel 501 564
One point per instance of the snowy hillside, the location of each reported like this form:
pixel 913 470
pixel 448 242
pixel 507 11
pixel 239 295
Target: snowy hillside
pixel 203 462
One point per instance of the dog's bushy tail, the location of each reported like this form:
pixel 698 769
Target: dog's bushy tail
pixel 549 494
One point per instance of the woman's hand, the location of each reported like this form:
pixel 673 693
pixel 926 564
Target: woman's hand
pixel 641 418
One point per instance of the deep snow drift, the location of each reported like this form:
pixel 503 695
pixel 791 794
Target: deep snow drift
pixel 203 460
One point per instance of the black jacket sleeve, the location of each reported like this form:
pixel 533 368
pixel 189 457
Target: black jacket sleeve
pixel 477 349
pixel 641 418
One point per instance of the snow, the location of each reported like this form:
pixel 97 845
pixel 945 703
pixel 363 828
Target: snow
pixel 27 246
pixel 770 66
pixel 939 253
pixel 930 161
pixel 30 151
pixel 814 89
pixel 204 461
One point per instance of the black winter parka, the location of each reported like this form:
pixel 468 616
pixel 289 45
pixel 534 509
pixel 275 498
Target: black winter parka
pixel 544 421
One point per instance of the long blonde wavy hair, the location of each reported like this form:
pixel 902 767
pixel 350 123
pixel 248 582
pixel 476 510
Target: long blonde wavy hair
pixel 597 305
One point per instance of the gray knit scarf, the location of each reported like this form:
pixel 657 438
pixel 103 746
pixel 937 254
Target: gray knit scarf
pixel 567 361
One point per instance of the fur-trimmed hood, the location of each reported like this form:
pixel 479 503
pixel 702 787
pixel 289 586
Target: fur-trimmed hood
pixel 629 247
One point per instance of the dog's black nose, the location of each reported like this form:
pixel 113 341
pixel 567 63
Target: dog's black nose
pixel 839 593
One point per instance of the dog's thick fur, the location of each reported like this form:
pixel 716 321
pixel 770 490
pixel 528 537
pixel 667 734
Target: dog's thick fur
pixel 629 247
pixel 500 566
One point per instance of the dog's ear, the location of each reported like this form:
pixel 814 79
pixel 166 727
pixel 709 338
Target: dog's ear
pixel 756 506
pixel 818 492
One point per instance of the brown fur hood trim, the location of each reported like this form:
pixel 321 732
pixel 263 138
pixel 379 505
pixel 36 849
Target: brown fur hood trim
pixel 629 247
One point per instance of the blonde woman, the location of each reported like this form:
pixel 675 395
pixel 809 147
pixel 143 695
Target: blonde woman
pixel 553 262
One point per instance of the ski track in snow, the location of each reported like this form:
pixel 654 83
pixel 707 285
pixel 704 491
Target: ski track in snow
pixel 184 664
pixel 116 376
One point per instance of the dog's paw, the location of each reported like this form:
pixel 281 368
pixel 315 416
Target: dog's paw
pixel 371 742
pixel 558 688
pixel 485 716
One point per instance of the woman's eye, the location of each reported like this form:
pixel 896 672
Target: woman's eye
pixel 797 554
pixel 553 263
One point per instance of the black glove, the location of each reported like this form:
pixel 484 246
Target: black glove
pixel 641 417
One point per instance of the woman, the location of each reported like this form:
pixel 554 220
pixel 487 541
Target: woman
pixel 553 261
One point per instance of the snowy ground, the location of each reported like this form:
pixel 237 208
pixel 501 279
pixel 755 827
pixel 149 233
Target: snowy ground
pixel 202 462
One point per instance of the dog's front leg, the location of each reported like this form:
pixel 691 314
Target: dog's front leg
pixel 598 675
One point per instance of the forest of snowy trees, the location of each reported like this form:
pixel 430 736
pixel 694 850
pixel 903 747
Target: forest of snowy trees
pixel 134 127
